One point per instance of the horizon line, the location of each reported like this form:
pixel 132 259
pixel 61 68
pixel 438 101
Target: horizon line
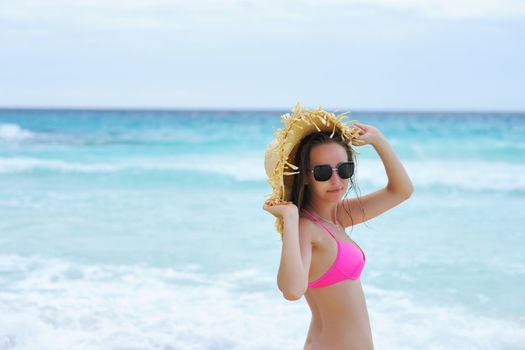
pixel 253 109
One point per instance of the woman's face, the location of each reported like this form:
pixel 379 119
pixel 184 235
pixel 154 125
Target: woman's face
pixel 334 188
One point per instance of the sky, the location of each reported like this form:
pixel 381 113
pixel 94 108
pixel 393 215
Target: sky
pixel 460 55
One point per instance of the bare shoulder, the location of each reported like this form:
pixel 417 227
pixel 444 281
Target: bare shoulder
pixel 306 224
pixel 309 229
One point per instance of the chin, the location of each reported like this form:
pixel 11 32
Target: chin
pixel 336 198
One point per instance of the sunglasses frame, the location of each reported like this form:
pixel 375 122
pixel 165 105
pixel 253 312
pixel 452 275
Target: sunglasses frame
pixel 336 169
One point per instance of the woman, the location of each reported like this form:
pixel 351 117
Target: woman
pixel 318 259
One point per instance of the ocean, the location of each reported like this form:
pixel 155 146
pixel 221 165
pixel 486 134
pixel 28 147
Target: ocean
pixel 130 230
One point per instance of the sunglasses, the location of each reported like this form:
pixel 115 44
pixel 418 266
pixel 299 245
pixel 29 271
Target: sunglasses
pixel 324 172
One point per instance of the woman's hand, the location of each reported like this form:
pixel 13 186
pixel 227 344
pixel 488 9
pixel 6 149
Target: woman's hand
pixel 368 134
pixel 283 211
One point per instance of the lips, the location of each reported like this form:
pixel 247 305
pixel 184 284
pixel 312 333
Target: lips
pixel 335 190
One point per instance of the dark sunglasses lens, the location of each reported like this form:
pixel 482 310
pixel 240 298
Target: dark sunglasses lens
pixel 322 172
pixel 345 170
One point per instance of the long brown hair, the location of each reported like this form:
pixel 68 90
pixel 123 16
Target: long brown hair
pixel 300 190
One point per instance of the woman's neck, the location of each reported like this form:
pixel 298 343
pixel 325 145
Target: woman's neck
pixel 327 212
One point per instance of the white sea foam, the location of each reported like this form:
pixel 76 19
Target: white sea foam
pixel 13 132
pixel 55 304
pixel 467 175
pixel 461 174
pixel 52 304
pixel 241 168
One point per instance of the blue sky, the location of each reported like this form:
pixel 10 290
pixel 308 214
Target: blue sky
pixel 353 55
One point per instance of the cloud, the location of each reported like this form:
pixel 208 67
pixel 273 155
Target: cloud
pixel 144 14
pixel 253 53
pixel 459 9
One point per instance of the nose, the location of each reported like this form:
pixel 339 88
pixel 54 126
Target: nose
pixel 334 179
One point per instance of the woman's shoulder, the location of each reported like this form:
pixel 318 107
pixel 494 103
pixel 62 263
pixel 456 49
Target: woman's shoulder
pixel 305 220
pixel 308 227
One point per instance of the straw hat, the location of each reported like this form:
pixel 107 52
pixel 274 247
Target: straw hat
pixel 281 152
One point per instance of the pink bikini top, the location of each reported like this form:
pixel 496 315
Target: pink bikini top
pixel 348 263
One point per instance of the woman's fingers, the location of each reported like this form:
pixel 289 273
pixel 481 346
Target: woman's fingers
pixel 360 126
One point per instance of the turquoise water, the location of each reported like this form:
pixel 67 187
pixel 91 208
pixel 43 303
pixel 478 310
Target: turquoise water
pixel 144 230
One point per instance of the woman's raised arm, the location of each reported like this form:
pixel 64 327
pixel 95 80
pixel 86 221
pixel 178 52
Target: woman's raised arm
pixel 296 253
pixel 398 189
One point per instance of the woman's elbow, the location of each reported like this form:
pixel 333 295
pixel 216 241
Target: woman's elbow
pixel 293 294
pixel 407 191
pixel 410 190
pixel 408 194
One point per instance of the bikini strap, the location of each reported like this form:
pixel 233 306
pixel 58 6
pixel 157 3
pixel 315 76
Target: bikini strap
pixel 320 223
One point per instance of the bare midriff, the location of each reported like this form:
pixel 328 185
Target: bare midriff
pixel 339 318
